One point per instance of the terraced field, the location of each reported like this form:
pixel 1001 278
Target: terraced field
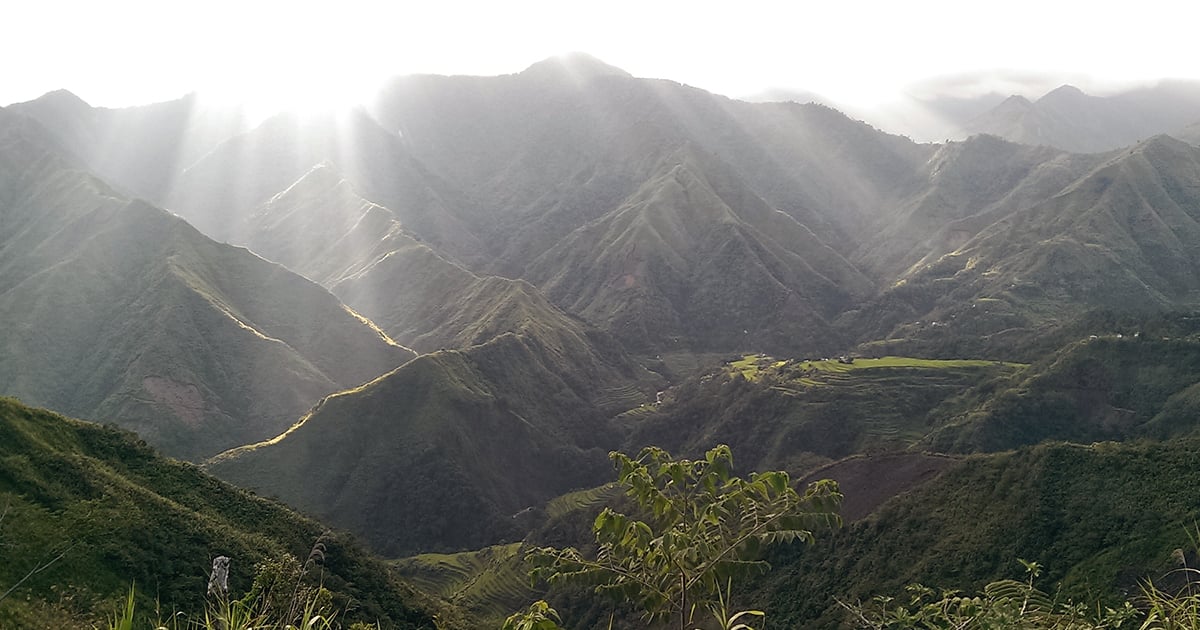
pixel 486 585
pixel 620 398
pixel 798 414
pixel 581 500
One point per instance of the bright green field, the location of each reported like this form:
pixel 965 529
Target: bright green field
pixel 753 366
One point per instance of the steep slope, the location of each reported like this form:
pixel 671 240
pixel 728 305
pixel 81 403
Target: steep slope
pixel 118 311
pixel 970 185
pixel 1123 237
pixel 1103 388
pixel 547 150
pixel 441 453
pixel 1097 519
pixel 121 514
pixel 321 228
pixel 695 260
pixel 1071 120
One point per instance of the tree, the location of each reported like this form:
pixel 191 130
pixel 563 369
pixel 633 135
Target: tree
pixel 703 528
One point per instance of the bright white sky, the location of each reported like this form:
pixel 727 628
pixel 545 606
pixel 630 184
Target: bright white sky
pixel 863 53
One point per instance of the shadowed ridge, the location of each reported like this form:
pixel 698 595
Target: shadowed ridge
pixel 440 453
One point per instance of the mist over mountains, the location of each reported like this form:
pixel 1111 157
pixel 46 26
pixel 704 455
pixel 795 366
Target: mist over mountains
pixel 425 318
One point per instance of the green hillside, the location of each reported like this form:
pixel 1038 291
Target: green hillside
pixel 1097 518
pixel 119 514
pixel 1111 387
pixel 507 425
pixel 485 585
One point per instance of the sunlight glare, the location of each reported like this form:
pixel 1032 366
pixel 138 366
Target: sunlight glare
pixel 305 94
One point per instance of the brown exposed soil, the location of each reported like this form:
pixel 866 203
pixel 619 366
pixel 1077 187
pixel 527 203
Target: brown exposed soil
pixel 183 399
pixel 867 481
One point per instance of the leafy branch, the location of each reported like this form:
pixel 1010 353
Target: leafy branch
pixel 701 527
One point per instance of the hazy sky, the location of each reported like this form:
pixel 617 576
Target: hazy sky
pixel 121 52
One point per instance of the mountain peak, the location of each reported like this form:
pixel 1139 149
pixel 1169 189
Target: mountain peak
pixel 574 64
pixel 1015 103
pixel 63 98
pixel 1063 94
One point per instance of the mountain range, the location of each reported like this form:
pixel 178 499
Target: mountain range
pixel 1072 120
pixel 425 318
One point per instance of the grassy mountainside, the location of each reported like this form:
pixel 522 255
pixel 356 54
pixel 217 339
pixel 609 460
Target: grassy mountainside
pixel 800 414
pixel 1104 388
pixel 119 514
pixel 507 425
pixel 485 586
pixel 116 310
pixel 1095 517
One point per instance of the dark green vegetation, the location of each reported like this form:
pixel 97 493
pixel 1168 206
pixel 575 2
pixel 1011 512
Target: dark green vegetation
pixel 1097 518
pixel 102 510
pixel 697 528
pixel 1104 388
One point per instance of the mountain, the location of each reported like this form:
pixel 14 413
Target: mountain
pixel 1121 237
pixel 1071 120
pixel 1189 134
pixel 221 190
pixel 695 260
pixel 138 150
pixel 500 175
pixel 554 170
pixel 506 425
pixel 119 311
pixel 970 184
pixel 120 514
pixel 321 228
pixel 539 154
